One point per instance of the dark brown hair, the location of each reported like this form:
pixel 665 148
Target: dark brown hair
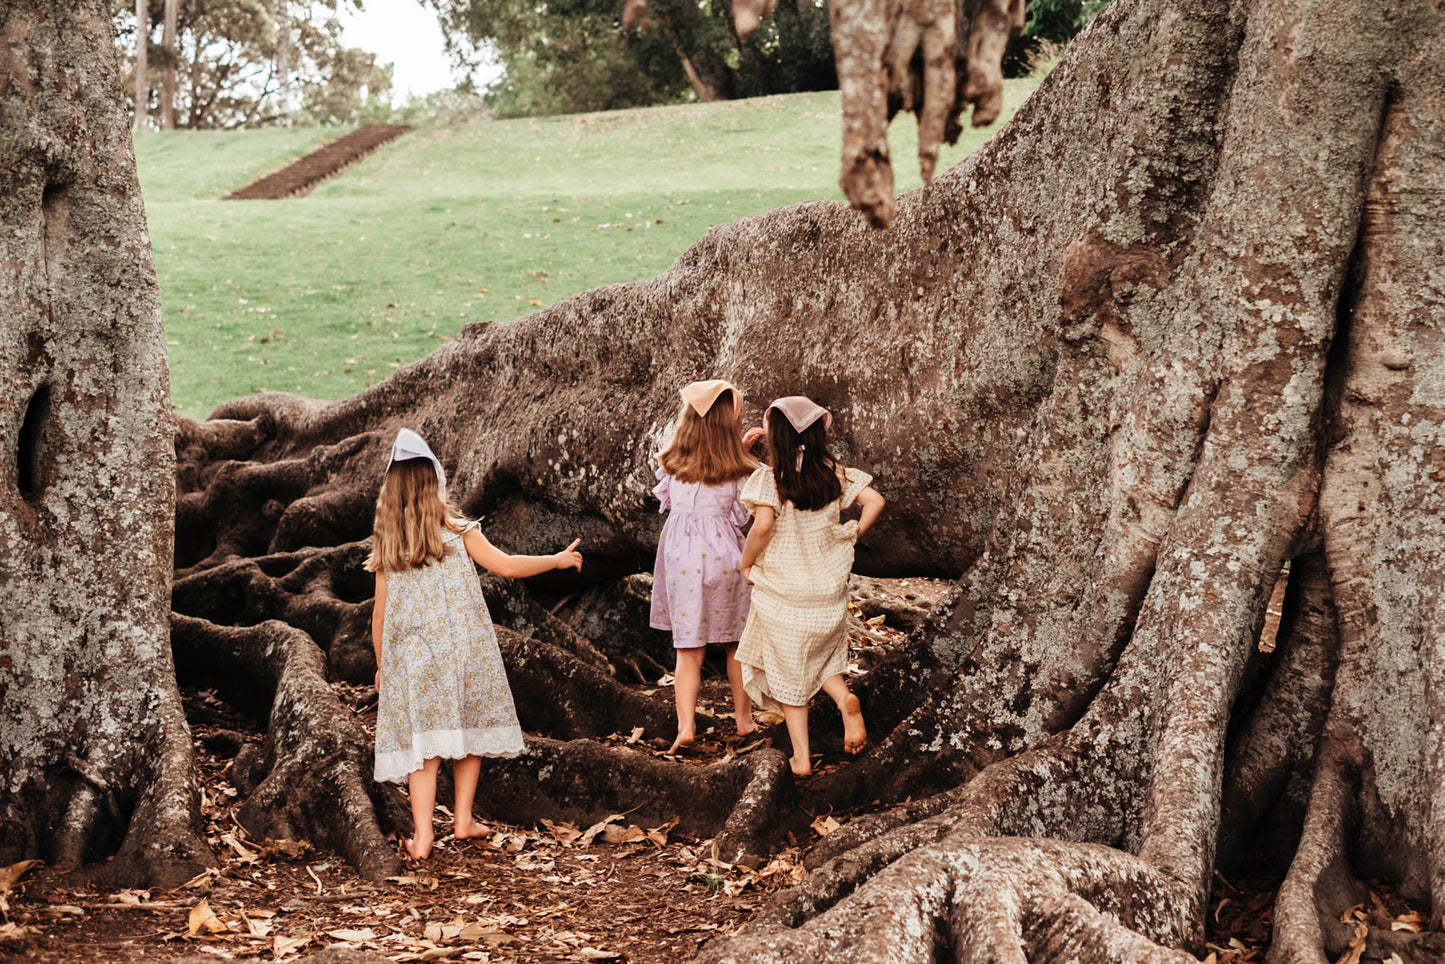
pixel 809 483
pixel 708 448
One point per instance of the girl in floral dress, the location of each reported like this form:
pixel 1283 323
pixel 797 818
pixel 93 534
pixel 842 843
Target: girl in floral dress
pixel 697 591
pixel 442 689
pixel 798 557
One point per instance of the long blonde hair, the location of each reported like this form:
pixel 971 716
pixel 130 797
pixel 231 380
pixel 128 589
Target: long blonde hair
pixel 410 517
pixel 708 448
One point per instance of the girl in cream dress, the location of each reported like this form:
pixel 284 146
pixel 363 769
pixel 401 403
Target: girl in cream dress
pixel 798 557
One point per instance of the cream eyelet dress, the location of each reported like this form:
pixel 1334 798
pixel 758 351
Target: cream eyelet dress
pixel 796 634
pixel 444 689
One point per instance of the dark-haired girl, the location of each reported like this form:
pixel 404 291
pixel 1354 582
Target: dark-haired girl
pixel 798 556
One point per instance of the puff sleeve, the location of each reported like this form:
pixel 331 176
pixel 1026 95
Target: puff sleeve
pixel 854 482
pixel 761 489
pixel 663 490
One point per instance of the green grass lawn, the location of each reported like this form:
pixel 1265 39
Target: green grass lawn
pixel 326 294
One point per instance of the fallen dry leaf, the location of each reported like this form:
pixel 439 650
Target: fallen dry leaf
pixel 285 946
pixel 11 875
pixel 202 918
pixel 246 854
pixel 596 828
pixel 593 954
pixel 353 936
pixel 1412 921
pixel 563 833
pixel 824 824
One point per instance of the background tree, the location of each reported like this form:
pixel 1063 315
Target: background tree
pixel 227 54
pixel 575 56
pixel 169 64
pixel 1174 327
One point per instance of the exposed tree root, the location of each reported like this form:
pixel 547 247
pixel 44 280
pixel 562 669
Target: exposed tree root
pixel 736 802
pixel 313 780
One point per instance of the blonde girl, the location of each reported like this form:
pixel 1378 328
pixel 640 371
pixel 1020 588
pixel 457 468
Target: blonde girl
pixel 798 557
pixel 697 591
pixel 442 689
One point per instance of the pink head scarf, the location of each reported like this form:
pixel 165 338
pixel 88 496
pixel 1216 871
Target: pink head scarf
pixel 703 395
pixel 800 411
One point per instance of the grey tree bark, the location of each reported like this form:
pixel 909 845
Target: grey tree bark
pixel 1174 327
pixel 142 73
pixel 95 754
pixel 168 77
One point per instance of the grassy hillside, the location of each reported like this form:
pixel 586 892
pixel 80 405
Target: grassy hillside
pixel 325 294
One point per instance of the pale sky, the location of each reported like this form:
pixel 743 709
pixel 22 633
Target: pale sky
pixel 404 33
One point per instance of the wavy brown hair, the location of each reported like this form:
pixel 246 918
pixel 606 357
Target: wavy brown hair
pixel 812 481
pixel 410 517
pixel 708 448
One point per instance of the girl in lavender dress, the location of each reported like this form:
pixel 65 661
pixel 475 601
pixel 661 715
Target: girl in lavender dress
pixel 697 590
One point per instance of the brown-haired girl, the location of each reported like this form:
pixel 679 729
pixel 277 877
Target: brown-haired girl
pixel 442 690
pixel 797 557
pixel 697 591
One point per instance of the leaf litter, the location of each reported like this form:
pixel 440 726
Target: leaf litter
pixel 614 890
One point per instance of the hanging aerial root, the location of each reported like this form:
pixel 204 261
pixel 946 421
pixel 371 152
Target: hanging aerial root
pixel 314 779
pixel 931 57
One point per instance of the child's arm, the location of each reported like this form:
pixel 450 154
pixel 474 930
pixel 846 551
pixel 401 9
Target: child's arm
pixel 871 504
pixel 494 560
pixel 758 537
pixel 378 619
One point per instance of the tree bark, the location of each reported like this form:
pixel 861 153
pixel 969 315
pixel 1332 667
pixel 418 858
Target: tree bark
pixel 168 78
pixel 95 754
pixel 283 62
pixel 142 75
pixel 1175 327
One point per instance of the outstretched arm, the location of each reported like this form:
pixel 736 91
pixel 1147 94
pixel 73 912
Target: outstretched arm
pixel 494 560
pixel 872 505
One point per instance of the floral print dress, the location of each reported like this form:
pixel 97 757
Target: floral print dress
pixel 444 689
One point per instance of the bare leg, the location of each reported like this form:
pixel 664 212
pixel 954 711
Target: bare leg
pixel 464 774
pixel 855 734
pixel 742 703
pixel 423 786
pixel 797 719
pixel 687 680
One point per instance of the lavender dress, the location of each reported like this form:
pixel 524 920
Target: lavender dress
pixel 697 591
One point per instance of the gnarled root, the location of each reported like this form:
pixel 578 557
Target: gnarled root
pixel 737 802
pixel 989 900
pixel 314 780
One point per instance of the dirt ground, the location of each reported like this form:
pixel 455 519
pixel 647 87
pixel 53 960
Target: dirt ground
pixel 548 893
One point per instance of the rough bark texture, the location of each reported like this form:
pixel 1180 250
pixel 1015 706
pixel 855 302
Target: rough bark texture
pixel 1175 327
pixel 1172 329
pixel 95 755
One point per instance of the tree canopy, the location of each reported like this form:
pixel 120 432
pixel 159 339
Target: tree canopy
pixel 225 59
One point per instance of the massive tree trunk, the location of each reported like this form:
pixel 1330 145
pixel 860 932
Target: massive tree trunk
pixel 95 755
pixel 1172 331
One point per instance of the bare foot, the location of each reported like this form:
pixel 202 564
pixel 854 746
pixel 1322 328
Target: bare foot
pixel 855 734
pixel 685 738
pixel 805 769
pixel 417 849
pixel 469 830
pixel 747 729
